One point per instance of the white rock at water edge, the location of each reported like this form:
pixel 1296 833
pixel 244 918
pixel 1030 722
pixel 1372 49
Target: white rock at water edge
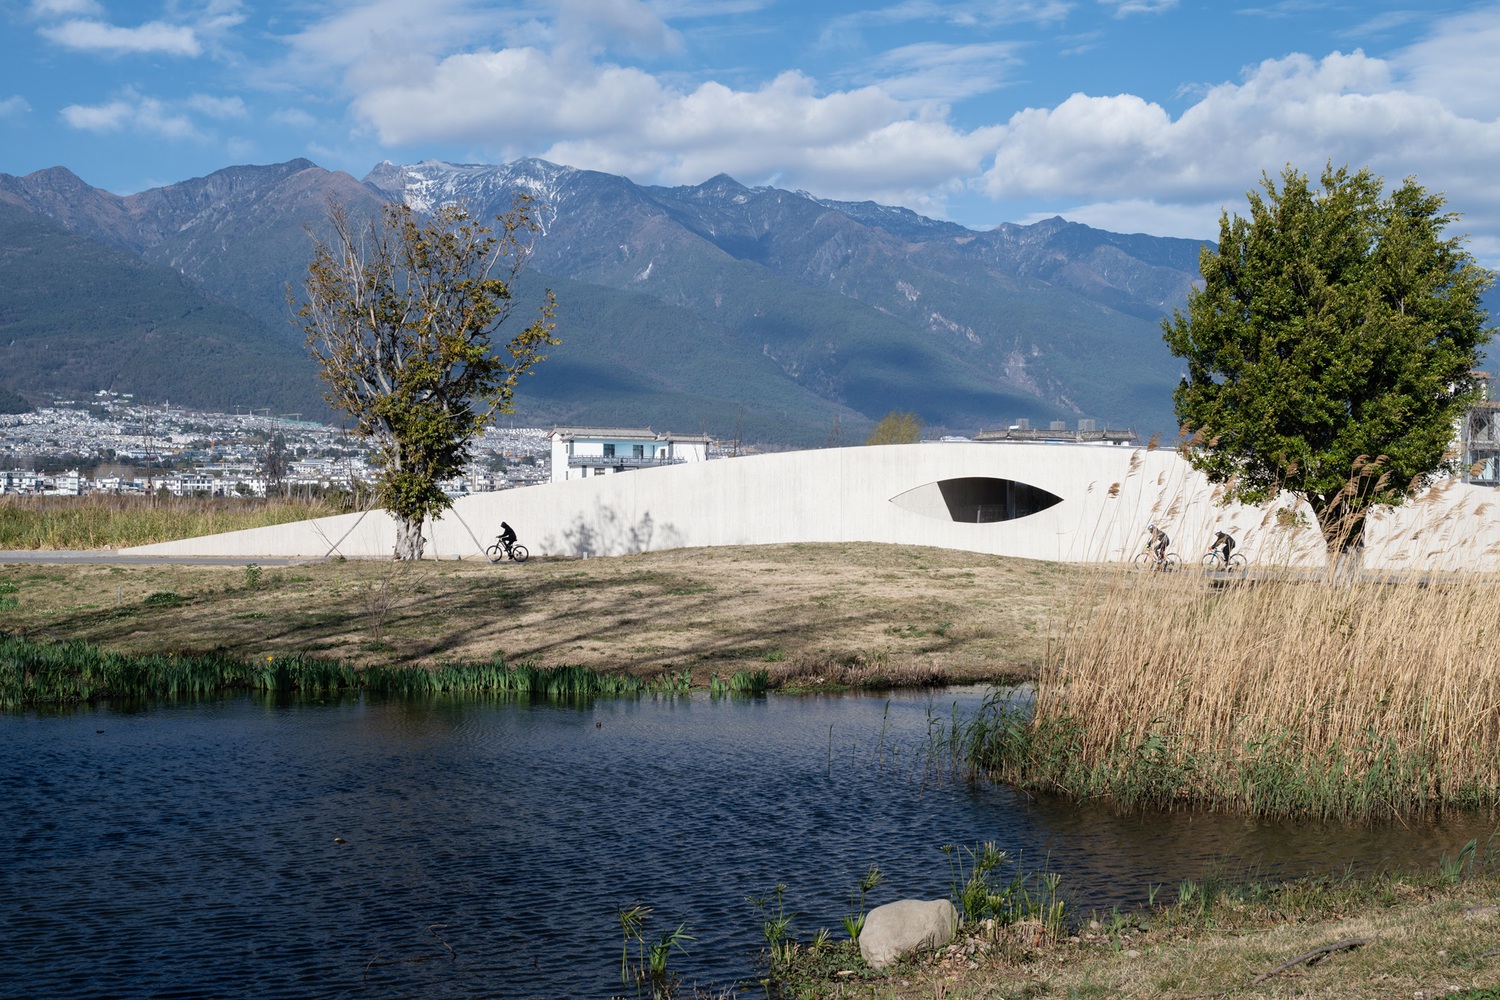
pixel 904 926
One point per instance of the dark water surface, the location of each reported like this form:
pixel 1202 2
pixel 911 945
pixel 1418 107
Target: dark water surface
pixel 189 851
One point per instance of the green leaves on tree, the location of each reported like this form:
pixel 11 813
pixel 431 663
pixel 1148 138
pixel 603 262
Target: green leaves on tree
pixel 402 318
pixel 1332 346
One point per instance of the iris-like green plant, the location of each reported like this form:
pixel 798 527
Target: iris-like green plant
pixel 1453 869
pixel 662 950
pixel 649 970
pixel 776 927
pixel 750 681
pixel 855 921
pixel 981 890
pixel 632 920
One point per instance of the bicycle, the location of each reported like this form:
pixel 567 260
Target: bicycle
pixel 506 550
pixel 1214 562
pixel 1148 559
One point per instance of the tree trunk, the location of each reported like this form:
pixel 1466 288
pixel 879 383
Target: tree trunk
pixel 409 540
pixel 1343 533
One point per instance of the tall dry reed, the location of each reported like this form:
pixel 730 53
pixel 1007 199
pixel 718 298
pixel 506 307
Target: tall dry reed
pixel 100 521
pixel 1280 695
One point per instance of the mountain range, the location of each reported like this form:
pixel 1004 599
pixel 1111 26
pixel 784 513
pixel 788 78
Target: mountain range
pixel 758 313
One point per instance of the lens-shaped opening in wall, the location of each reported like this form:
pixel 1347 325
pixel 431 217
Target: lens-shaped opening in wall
pixel 977 500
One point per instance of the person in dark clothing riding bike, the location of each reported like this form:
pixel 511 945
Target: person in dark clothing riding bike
pixel 507 535
pixel 1225 542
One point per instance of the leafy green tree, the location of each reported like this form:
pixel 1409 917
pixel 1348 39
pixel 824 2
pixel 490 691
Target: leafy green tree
pixel 1331 348
pixel 401 317
pixel 896 427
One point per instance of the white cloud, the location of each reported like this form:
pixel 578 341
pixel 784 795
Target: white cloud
pixel 931 71
pixel 217 107
pixel 218 16
pixel 965 13
pixel 1455 64
pixel 1124 8
pixel 293 117
pixel 97 36
pixel 618 25
pixel 109 117
pixel 132 112
pixel 381 42
pixel 1343 108
pixel 851 143
pixel 66 8
pixel 14 107
pixel 1143 215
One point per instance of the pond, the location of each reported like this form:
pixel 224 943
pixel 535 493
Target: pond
pixel 255 847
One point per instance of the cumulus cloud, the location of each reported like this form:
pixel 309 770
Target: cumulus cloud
pixel 625 120
pixel 381 42
pixel 1125 152
pixel 14 107
pixel 1289 110
pixel 152 37
pixel 131 112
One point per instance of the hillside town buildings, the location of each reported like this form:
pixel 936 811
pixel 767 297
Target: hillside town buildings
pixel 110 444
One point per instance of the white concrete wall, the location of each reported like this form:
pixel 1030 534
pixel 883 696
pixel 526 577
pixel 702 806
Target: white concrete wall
pixel 838 495
pixel 687 451
pixel 560 470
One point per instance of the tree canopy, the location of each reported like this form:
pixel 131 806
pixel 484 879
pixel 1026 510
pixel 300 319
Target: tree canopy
pixel 1332 346
pixel 401 317
pixel 896 427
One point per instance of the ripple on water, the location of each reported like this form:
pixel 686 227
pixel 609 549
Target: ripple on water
pixel 195 851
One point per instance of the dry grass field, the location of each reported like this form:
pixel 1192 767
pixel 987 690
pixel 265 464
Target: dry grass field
pixel 99 521
pixel 810 614
pixel 1382 939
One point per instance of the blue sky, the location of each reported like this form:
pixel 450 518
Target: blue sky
pixel 1131 115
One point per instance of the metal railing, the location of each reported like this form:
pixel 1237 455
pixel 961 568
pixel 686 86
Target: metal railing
pixel 618 461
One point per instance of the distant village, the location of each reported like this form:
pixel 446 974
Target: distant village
pixel 110 444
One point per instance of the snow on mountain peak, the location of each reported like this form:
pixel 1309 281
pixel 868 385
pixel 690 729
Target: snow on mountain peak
pixel 431 184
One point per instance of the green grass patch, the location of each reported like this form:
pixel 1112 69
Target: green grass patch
pixel 34 675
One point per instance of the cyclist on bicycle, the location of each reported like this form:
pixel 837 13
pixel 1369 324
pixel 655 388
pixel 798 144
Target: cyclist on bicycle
pixel 507 536
pixel 1225 541
pixel 1159 542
